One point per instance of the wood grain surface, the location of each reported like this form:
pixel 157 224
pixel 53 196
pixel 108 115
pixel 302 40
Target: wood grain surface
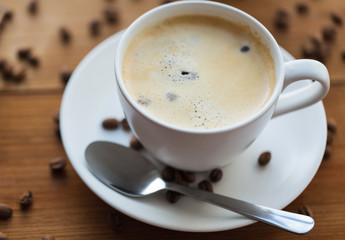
pixel 63 206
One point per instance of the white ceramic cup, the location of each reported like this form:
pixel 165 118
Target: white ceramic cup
pixel 199 150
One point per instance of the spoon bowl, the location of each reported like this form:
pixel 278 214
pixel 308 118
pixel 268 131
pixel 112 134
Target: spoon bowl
pixel 130 173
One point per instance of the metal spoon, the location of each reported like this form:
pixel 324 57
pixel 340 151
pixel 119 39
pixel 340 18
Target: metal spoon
pixel 132 174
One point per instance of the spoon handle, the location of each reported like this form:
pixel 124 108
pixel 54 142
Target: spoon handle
pixel 292 222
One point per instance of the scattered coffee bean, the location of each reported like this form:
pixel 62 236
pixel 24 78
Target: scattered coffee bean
pixel 264 158
pixel 65 35
pixel 57 165
pixel 329 33
pixel 32 7
pixel 336 19
pixel 95 27
pixel 327 153
pixel 33 60
pixel 168 174
pixel 47 237
pixel 179 179
pixel 216 175
pixel 3 64
pixel 26 199
pixel 205 185
pixel 135 143
pixel 116 221
pixel 19 74
pixel 8 15
pixel 65 75
pixel 110 123
pixel 111 15
pixel 343 55
pixel 314 49
pixel 5 211
pixel 305 210
pixel 188 176
pixel 282 19
pixel 3 236
pixel 245 48
pixel 302 8
pixel 125 125
pixel 172 196
pixel 24 53
pixel 329 137
pixel 331 125
pixel 7 72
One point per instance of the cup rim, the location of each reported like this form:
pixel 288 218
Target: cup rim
pixel 277 58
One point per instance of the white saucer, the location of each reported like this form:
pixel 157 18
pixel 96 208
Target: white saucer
pixel 296 141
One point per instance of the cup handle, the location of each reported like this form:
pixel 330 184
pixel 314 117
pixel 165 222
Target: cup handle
pixel 297 70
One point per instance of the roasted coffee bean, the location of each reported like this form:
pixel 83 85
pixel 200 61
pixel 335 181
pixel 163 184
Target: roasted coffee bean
pixel 282 19
pixel 65 75
pixel 26 199
pixel 314 49
pixel 179 179
pixel 8 15
pixel 332 125
pixel 336 19
pixel 3 64
pixel 5 211
pixel 116 221
pixel 125 125
pixel 95 27
pixel 58 132
pixel 205 185
pixel 343 55
pixel 264 158
pixel 24 53
pixel 3 236
pixel 305 210
pixel 168 174
pixel 188 176
pixel 111 15
pixel 57 165
pixel 330 137
pixel 135 143
pixel 34 60
pixel 172 196
pixel 32 7
pixel 47 237
pixel 19 74
pixel 110 123
pixel 327 153
pixel 65 35
pixel 302 8
pixel 216 175
pixel 329 33
pixel 7 72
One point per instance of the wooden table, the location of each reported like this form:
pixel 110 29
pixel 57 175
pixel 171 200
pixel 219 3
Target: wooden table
pixel 63 206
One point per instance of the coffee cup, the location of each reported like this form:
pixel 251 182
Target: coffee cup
pixel 242 75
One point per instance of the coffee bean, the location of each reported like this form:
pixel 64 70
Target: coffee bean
pixel 189 177
pixel 205 185
pixel 32 7
pixel 172 196
pixel 343 55
pixel 34 60
pixel 179 179
pixel 95 27
pixel 47 237
pixel 3 64
pixel 58 132
pixel 24 53
pixel 5 211
pixel 216 175
pixel 135 143
pixel 65 75
pixel 65 35
pixel 282 19
pixel 7 72
pixel 264 158
pixel 116 221
pixel 57 165
pixel 26 199
pixel 305 210
pixel 332 125
pixel 336 19
pixel 8 15
pixel 56 117
pixel 111 15
pixel 329 33
pixel 315 49
pixel 110 123
pixel 327 153
pixel 302 8
pixel 330 137
pixel 19 74
pixel 3 236
pixel 125 125
pixel 168 174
